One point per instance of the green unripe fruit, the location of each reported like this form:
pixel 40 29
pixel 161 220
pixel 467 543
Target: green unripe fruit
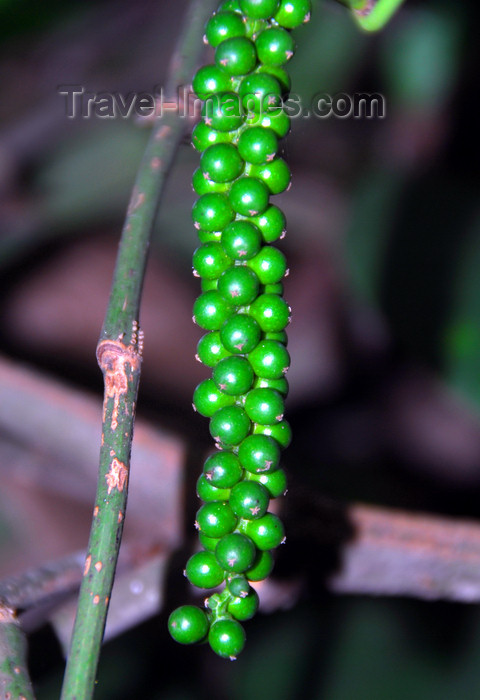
pixel 210 260
pixel 275 46
pixel 209 80
pixel 223 25
pixel 262 567
pixel 204 136
pixel 202 185
pixel 249 500
pixel 212 212
pixel 203 570
pixel 240 334
pixel 235 552
pixel 239 284
pixel 265 406
pixel 241 240
pixel 249 196
pixel 270 265
pixel 270 359
pixel 238 586
pixel 208 543
pixel 227 638
pixel 210 349
pixel 260 93
pixel 221 162
pixel 271 312
pixel 206 492
pixel 279 74
pixel 223 470
pixel 233 375
pixel 293 13
pixel 208 398
pixel 236 56
pixel 259 9
pixel 280 385
pixel 258 145
pixel 244 608
pixel 229 426
pixel 259 454
pixel 277 120
pixel 275 174
pixel 275 482
pixel 222 111
pixel 266 532
pixel 216 520
pixel 281 432
pixel 188 624
pixel 211 310
pixel 271 223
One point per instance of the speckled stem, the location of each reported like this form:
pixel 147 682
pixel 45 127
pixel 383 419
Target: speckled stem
pixel 14 679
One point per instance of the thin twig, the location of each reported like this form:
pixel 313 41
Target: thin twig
pixel 119 356
pixel 14 679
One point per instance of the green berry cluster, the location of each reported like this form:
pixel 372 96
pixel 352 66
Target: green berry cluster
pixel 243 311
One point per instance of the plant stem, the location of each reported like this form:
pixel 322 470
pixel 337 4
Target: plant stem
pixel 14 679
pixel 119 357
pixel 373 15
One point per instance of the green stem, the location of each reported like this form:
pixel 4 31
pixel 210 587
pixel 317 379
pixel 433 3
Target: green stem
pixel 14 679
pixel 119 356
pixel 373 15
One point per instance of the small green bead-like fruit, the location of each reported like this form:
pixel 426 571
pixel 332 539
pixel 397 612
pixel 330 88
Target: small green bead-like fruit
pixel 208 237
pixel 227 638
pixel 233 375
pixel 271 312
pixel 221 162
pixel 208 543
pixel 260 93
pixel 223 111
pixel 244 608
pixel 235 552
pixel 229 426
pixel 236 56
pixel 279 74
pixel 270 265
pixel 215 520
pixel 266 532
pixel 209 285
pixel 257 144
pixel 204 136
pixel 210 260
pixel 262 566
pixel 207 493
pixel 249 196
pixel 241 240
pixel 203 570
pixel 280 385
pixel 202 185
pixel 212 212
pixel 259 9
pixel 230 6
pixel 239 284
pixel 265 406
pixel 275 46
pixel 278 121
pixel 208 398
pixel 238 586
pixel 210 349
pixel 281 432
pixel 240 334
pixel 293 13
pixel 275 482
pixel 249 500
pixel 223 25
pixel 259 454
pixel 188 624
pixel 223 470
pixel 211 310
pixel 209 80
pixel 275 174
pixel 270 359
pixel 271 223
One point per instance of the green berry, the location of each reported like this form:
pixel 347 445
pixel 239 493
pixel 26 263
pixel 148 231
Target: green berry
pixel 277 120
pixel 203 569
pixel 229 426
pixel 235 552
pixel 271 223
pixel 211 310
pixel 281 336
pixel 223 470
pixel 208 398
pixel 271 312
pixel 241 240
pixel 230 6
pixel 188 624
pixel 216 520
pixel 240 334
pixel 270 359
pixel 236 56
pixel 210 260
pixel 223 25
pixel 208 543
pixel 233 375
pixel 260 93
pixel 239 285
pixel 209 80
pixel 206 492
pixel 249 500
pixel 204 136
pixel 202 185
pixel 259 9
pixel 262 567
pixel 259 454
pixel 281 432
pixel 249 196
pixel 270 265
pixel 280 385
pixel 212 212
pixel 264 406
pixel 266 532
pixel 227 638
pixel 258 145
pixel 275 46
pixel 221 162
pixel 210 348
pixel 293 13
pixel 275 174
pixel 209 237
pixel 275 482
pixel 223 111
pixel 244 608
pixel 283 78
pixel 275 288
pixel 238 586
